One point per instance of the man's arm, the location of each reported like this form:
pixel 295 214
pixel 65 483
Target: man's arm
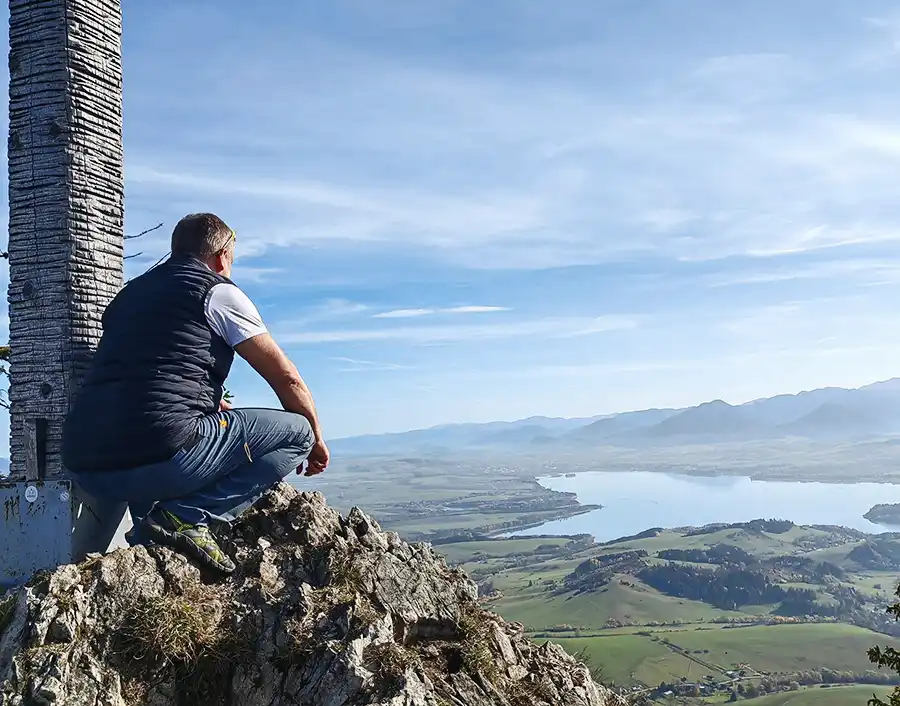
pixel 232 316
pixel 266 357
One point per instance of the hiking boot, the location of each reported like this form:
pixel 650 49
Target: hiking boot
pixel 136 536
pixel 195 540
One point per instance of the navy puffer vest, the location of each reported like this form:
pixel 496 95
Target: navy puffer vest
pixel 159 367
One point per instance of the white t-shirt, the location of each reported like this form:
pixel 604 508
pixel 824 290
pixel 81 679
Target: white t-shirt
pixel 232 315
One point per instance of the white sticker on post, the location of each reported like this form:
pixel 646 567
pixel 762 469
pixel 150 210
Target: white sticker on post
pixel 31 493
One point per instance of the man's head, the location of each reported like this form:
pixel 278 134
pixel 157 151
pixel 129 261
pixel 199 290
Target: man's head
pixel 206 237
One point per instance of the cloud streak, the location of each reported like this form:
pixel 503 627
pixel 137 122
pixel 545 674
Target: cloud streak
pixel 712 178
pixel 475 309
pixel 332 311
pixel 357 365
pixel 415 313
pixel 865 270
pixel 562 327
pixel 527 164
pixel 402 313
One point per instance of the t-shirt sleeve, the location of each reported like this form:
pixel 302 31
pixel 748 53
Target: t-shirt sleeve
pixel 232 315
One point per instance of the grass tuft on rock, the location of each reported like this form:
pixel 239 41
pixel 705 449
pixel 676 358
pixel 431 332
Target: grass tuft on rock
pixel 176 629
pixel 134 691
pixel 390 662
pixel 477 656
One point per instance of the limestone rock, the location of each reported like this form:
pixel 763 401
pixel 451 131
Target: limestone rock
pixel 323 610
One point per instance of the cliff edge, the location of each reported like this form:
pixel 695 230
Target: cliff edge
pixel 322 611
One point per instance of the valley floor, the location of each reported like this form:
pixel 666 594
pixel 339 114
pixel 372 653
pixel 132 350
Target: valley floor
pixel 649 642
pixel 637 612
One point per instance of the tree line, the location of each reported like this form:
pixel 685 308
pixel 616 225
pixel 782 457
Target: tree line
pixel 716 554
pixel 728 588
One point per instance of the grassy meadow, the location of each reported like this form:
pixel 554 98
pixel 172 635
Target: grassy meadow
pixel 696 651
pixel 639 637
pixel 817 696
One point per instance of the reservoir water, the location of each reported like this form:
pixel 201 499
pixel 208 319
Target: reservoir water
pixel 636 501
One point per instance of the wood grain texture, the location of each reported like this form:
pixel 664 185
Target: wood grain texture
pixel 66 193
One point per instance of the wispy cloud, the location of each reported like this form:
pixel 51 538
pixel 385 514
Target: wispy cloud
pixel 692 170
pixel 415 313
pixel 562 327
pixel 346 213
pixel 402 313
pixel 520 161
pixel 329 311
pixel 259 274
pixel 864 270
pixel 355 365
pixel 475 309
pixel 791 323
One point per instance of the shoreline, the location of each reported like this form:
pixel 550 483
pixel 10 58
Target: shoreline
pixel 883 527
pixel 768 478
pixel 575 512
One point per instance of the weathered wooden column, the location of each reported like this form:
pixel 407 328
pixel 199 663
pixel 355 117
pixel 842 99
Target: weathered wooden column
pixel 66 191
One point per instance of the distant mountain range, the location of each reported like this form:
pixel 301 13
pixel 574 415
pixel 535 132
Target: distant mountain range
pixel 829 414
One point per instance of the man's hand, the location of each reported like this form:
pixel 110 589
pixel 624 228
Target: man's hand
pixel 224 406
pixel 318 458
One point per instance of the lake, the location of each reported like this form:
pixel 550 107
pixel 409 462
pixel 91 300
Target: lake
pixel 635 501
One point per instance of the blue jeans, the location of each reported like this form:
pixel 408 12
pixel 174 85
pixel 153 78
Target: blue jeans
pixel 238 456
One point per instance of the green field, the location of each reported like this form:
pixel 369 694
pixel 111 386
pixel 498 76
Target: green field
pixel 764 649
pixel 630 659
pixel 531 594
pixel 635 603
pixel 465 551
pixel 786 648
pixel 817 696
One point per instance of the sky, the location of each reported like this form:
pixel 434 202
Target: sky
pixel 465 211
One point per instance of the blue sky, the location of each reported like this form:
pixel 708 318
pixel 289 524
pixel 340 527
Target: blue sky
pixel 466 211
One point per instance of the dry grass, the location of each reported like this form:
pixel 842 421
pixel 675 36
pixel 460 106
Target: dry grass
pixel 390 662
pixel 177 629
pixel 344 570
pixel 330 601
pixel 530 691
pixel 87 567
pixel 301 630
pixel 186 636
pixel 366 612
pixel 477 657
pixel 134 691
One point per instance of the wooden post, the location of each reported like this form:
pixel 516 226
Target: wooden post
pixel 66 193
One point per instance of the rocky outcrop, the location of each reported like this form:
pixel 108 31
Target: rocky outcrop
pixel 323 610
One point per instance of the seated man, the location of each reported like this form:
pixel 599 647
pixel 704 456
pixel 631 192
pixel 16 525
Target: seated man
pixel 150 426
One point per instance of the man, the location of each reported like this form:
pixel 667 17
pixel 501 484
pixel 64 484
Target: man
pixel 150 425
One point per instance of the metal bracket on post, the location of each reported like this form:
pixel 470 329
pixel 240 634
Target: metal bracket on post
pixel 37 513
pixel 46 522
pixel 35 528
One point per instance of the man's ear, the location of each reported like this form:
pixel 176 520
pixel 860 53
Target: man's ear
pixel 221 262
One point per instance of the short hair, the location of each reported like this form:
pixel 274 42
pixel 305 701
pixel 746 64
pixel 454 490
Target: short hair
pixel 200 235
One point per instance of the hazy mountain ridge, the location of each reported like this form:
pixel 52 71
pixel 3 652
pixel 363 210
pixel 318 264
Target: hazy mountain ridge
pixel 825 414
